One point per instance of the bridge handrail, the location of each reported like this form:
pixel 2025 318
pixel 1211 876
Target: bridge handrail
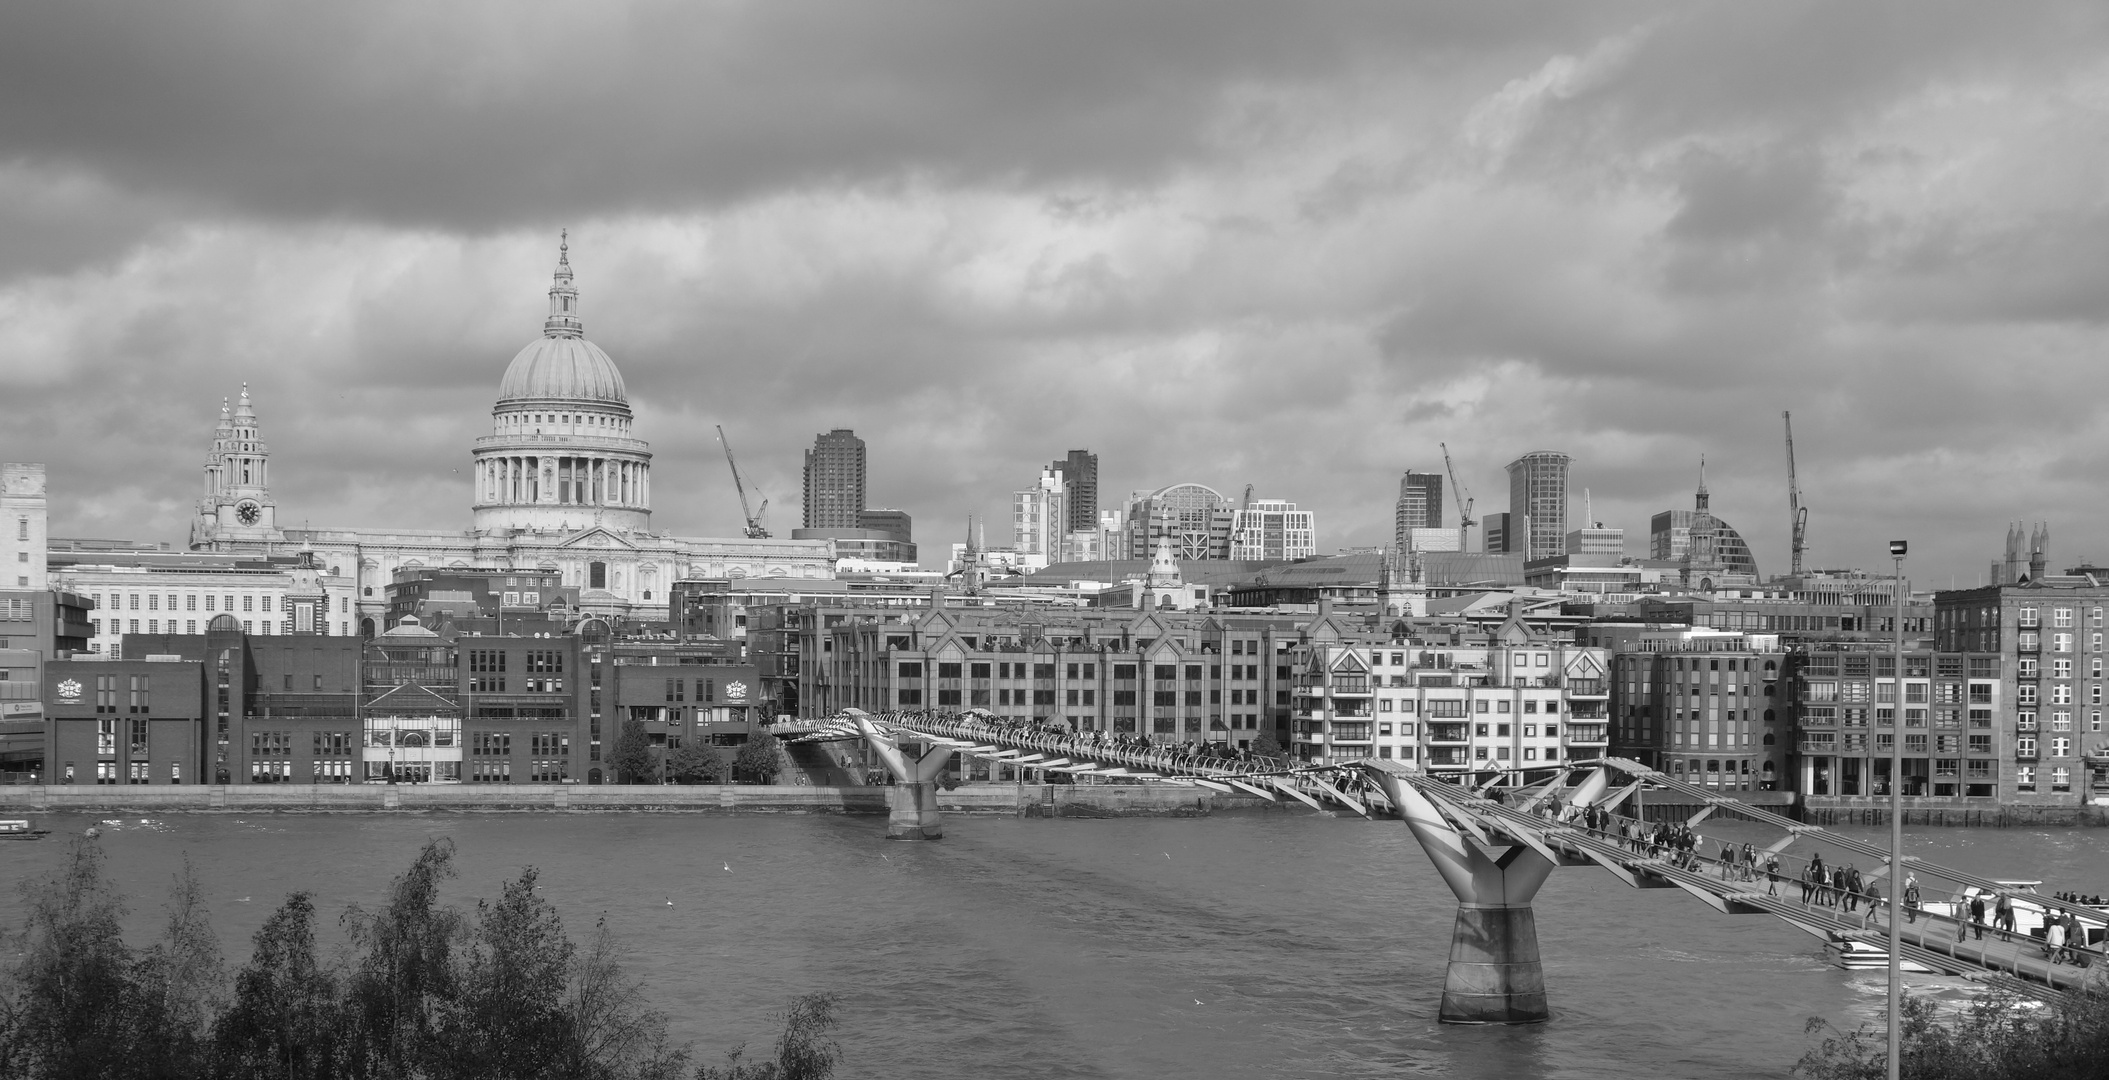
pixel 1862 847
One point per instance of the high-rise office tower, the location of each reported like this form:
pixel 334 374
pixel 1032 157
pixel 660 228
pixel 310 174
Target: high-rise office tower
pixel 1080 472
pixel 1538 503
pixel 834 480
pixel 1420 506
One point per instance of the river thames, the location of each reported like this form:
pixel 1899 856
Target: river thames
pixel 1240 945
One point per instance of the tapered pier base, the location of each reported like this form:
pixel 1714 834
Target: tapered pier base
pixel 913 812
pixel 1495 975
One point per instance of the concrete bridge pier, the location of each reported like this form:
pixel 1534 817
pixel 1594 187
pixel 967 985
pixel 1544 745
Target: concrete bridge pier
pixel 912 800
pixel 1495 975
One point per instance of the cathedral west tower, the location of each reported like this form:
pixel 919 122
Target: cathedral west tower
pixel 560 457
pixel 237 507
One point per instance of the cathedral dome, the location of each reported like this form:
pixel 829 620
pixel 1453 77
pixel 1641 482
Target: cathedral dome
pixel 566 368
pixel 562 365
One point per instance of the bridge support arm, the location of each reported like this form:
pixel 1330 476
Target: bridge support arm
pixel 912 800
pixel 1495 974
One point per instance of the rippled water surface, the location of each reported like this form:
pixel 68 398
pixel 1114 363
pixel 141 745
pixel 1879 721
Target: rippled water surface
pixel 1269 945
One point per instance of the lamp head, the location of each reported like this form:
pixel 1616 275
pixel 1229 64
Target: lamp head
pixel 1897 548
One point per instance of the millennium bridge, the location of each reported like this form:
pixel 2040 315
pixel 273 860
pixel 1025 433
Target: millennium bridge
pixel 1495 853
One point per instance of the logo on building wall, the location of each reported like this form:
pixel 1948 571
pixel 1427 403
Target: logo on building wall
pixel 69 690
pixel 735 691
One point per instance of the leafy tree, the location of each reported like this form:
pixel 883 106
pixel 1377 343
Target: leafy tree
pixel 179 986
pixel 392 1002
pixel 694 763
pixel 1265 746
pixel 1997 1037
pixel 74 1008
pixel 283 1022
pixel 803 1051
pixel 759 758
pixel 506 1018
pixel 631 756
pixel 614 1033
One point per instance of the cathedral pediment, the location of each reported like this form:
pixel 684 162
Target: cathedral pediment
pixel 597 538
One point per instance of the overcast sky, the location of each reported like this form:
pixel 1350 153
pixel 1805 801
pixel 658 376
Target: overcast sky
pixel 1290 245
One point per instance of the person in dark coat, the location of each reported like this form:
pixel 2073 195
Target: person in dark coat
pixel 1977 916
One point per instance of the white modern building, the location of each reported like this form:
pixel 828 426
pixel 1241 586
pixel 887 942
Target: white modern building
pixel 1040 521
pixel 1273 529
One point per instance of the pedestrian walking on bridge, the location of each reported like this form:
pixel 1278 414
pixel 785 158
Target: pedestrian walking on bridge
pixel 1911 899
pixel 2003 916
pixel 1977 916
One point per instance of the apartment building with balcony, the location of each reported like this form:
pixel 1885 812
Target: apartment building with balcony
pixel 1517 703
pixel 1957 724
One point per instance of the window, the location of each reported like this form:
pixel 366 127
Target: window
pixel 2061 616
pixel 2025 778
pixel 2027 616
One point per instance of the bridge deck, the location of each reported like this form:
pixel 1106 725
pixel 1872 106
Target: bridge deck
pixel 1091 754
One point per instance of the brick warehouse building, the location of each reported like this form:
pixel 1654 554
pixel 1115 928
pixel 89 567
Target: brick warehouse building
pixel 2040 647
pixel 126 721
pixel 410 704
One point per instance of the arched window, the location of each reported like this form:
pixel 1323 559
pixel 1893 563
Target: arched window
pixel 1769 739
pixel 1768 716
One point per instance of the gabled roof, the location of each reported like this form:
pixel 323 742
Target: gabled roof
pixel 410 698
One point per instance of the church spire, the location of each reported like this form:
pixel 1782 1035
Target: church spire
pixel 563 318
pixel 1703 497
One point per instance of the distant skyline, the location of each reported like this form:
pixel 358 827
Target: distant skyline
pixel 1221 243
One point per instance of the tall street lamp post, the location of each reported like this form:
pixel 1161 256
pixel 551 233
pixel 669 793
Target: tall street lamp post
pixel 1897 549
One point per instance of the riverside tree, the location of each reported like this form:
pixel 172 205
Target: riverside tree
pixel 694 763
pixel 425 992
pixel 631 756
pixel 759 758
pixel 1996 1037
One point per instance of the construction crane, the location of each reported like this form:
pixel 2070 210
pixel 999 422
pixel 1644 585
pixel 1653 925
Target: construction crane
pixel 1797 514
pixel 1464 501
pixel 755 530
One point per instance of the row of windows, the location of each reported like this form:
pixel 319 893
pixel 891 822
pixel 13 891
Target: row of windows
pixel 913 669
pixel 190 626
pixel 2059 616
pixel 225 601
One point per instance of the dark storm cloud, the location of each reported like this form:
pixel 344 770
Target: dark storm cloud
pixel 478 116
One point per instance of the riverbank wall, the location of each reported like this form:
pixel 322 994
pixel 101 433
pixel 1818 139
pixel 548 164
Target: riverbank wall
pixel 1027 800
pixel 1939 812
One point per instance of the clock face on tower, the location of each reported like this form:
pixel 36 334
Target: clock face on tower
pixel 247 512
